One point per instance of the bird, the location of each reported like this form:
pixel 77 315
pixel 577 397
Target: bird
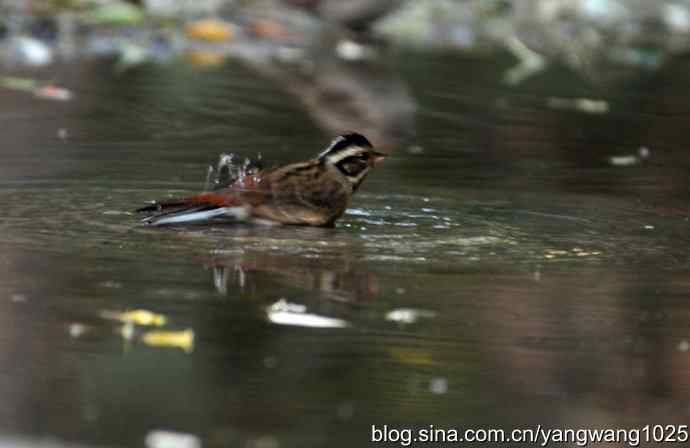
pixel 312 193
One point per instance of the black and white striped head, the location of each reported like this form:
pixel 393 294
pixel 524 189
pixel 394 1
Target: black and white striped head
pixel 352 155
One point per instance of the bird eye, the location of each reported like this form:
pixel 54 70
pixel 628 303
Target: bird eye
pixel 364 156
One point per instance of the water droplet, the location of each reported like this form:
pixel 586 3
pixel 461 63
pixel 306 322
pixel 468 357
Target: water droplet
pixel 76 330
pixel 438 386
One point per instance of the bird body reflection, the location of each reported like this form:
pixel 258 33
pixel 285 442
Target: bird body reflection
pixel 331 278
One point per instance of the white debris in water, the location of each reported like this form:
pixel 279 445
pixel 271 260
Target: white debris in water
pixel 285 313
pixel 683 346
pixel 591 106
pixel 400 291
pixel 284 305
pixel 352 51
pixel 415 150
pixel 76 330
pixel 438 386
pixel 62 134
pixel 409 315
pixel 305 320
pixel 586 105
pixel 648 227
pixel 171 439
pixel 630 159
pixel 624 160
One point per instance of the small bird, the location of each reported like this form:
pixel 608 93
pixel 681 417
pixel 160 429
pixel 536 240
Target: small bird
pixel 313 193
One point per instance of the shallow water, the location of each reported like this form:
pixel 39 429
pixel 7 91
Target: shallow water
pixel 499 270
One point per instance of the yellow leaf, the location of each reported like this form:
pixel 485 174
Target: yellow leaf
pixel 180 339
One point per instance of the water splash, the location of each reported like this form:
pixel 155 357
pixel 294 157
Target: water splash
pixel 230 169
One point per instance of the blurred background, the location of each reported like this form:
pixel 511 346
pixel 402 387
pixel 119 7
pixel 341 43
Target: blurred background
pixel 521 258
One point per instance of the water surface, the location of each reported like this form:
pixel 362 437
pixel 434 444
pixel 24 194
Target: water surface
pixel 500 269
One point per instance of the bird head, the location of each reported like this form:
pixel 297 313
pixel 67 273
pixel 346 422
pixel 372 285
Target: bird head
pixel 352 155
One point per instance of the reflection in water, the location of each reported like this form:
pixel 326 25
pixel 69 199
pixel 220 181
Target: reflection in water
pixel 409 315
pixel 334 278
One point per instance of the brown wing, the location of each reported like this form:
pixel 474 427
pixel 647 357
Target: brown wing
pixel 304 193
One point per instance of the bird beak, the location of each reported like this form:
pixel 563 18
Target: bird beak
pixel 378 157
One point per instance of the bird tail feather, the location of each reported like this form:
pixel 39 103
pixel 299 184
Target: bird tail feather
pixel 187 216
pixel 195 208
